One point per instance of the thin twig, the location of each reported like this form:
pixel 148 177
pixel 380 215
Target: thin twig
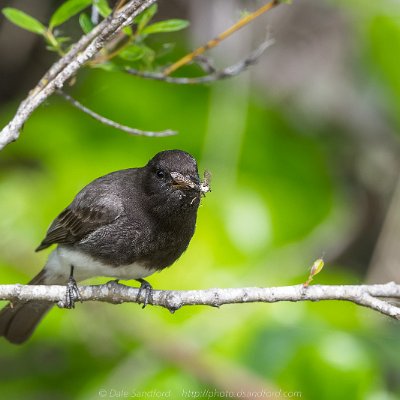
pixel 109 122
pixel 206 64
pixel 65 68
pixel 225 73
pixel 370 296
pixel 216 41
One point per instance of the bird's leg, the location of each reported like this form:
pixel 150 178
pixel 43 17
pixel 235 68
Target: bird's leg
pixel 72 294
pixel 148 289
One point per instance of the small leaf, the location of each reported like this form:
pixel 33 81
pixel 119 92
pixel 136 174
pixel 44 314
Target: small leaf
pixel 132 53
pixel 24 20
pixel 317 266
pixel 170 25
pixel 143 18
pixel 68 10
pixel 103 7
pixel 86 23
pixel 315 269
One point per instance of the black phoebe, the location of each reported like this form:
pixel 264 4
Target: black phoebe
pixel 126 225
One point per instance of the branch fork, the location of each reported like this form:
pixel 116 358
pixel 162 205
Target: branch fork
pixel 65 68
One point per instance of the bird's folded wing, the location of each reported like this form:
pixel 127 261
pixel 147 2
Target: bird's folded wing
pixel 77 221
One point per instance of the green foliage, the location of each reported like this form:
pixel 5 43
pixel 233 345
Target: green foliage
pixel 102 7
pixel 172 25
pixel 384 34
pixel 272 212
pixel 67 10
pixel 24 20
pixel 131 51
pixel 85 23
pixel 144 18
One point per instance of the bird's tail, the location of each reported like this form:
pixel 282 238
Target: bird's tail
pixel 19 320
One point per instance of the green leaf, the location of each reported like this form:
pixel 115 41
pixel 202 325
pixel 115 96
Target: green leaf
pixel 103 7
pixel 127 30
pixel 132 53
pixel 170 25
pixel 315 269
pixel 86 23
pixel 143 18
pixel 24 20
pixel 68 10
pixel 107 66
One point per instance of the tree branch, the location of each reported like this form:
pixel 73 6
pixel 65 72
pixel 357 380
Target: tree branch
pixel 227 72
pixel 65 68
pixel 109 122
pixel 245 20
pixel 370 296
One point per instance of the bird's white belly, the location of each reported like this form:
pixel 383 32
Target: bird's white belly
pixel 58 267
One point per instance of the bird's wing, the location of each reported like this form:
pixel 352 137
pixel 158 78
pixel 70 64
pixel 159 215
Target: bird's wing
pixel 93 207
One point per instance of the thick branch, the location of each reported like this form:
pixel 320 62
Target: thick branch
pixel 370 296
pixel 84 50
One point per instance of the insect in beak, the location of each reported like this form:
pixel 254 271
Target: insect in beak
pixel 183 182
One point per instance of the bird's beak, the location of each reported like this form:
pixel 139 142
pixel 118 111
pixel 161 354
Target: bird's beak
pixel 182 182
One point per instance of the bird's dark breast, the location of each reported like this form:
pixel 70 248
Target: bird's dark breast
pixel 169 241
pixel 155 244
pixel 169 246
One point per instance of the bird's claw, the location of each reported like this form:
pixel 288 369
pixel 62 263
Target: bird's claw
pixel 72 292
pixel 148 295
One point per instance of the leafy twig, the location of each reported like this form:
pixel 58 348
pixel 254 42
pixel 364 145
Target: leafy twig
pixel 84 50
pixel 109 122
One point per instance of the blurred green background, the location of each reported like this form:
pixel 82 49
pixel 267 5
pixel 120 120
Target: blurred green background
pixel 304 153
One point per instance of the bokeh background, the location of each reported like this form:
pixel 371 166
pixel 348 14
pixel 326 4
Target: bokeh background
pixel 304 151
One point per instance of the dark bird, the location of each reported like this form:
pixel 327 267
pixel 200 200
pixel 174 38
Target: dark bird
pixel 126 225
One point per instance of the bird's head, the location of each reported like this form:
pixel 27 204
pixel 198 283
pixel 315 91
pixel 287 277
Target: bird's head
pixel 172 178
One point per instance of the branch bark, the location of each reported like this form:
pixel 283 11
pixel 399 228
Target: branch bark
pixel 374 297
pixel 65 68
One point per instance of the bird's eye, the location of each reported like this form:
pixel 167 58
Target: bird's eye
pixel 160 173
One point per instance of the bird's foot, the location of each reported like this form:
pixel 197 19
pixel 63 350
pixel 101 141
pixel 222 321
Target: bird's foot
pixel 148 289
pixel 72 293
